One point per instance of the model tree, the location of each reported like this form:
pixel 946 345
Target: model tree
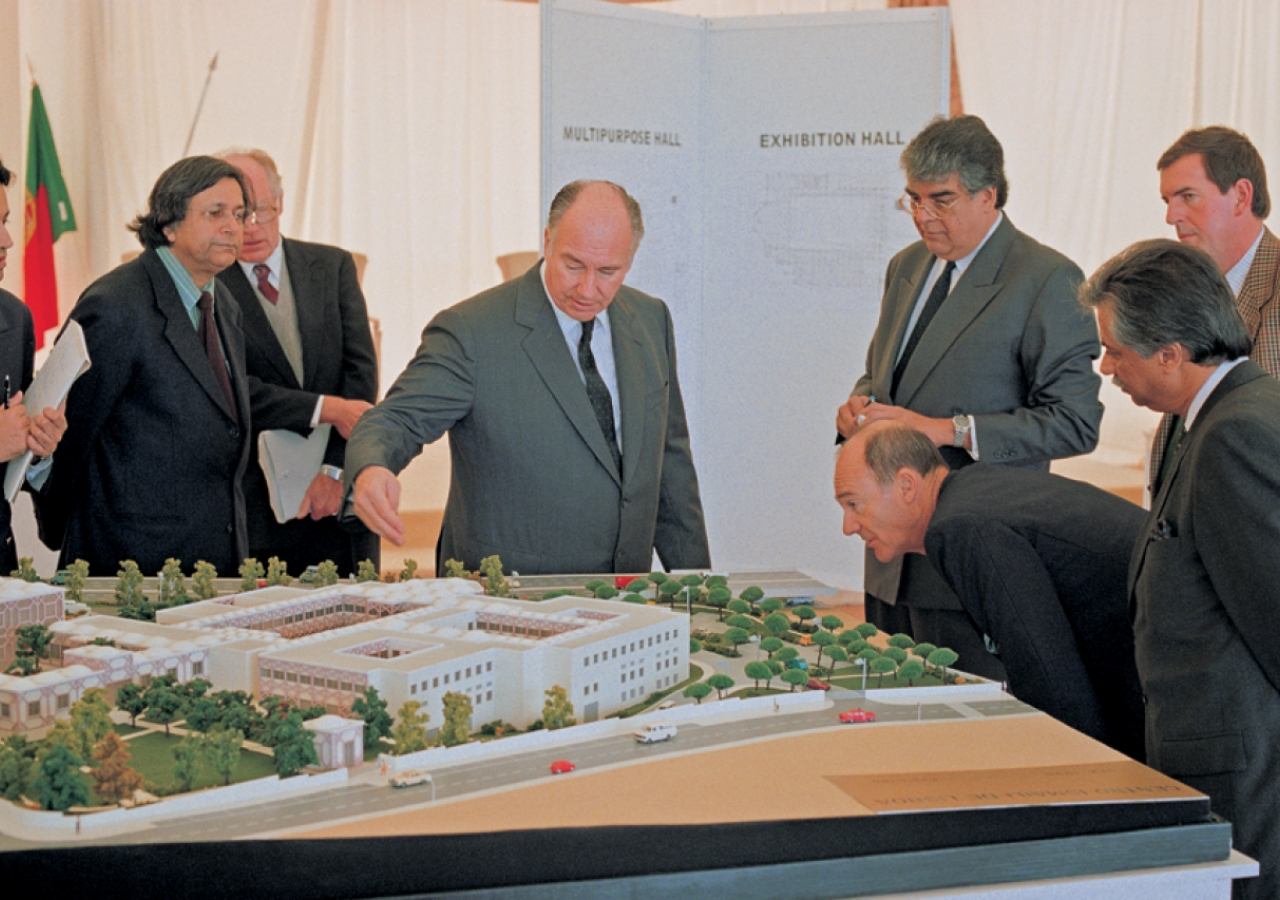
pixel 758 671
pixel 129 584
pixel 77 573
pixel 697 690
pixel 557 711
pixel 737 636
pixel 691 588
pixel 739 621
pixel 941 658
pixel 786 654
pixel 164 703
pixel 897 654
pixel 186 763
pixel 112 777
pixel 752 595
pixel 718 599
pixel 804 614
pixel 130 699
pixel 882 665
pixel 453 568
pixel 26 570
pixel 911 670
pixel 32 645
pixel 221 748
pixel 295 747
pixel 16 757
pixel 832 623
pixel 720 684
pixel 770 605
pixel 795 677
pixel 250 572
pixel 923 649
pixel 739 606
pixel 408 573
pixel 495 583
pixel 771 645
pixel 278 572
pixel 457 719
pixel 823 640
pixel 91 720
pixel 867 630
pixel 837 654
pixel 668 590
pixel 366 571
pixel 410 733
pixel 58 783
pixel 202 581
pixel 901 641
pixel 635 598
pixel 777 624
pixel 377 721
pixel 695 645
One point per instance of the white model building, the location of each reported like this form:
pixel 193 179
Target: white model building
pixel 415 640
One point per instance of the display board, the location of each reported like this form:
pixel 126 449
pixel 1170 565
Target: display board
pixel 764 153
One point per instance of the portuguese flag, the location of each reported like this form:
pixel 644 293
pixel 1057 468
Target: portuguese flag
pixel 48 214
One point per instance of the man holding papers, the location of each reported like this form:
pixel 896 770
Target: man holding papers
pixel 18 431
pixel 310 362
pixel 158 429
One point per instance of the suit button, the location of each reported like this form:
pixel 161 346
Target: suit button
pixel 230 529
pixel 233 431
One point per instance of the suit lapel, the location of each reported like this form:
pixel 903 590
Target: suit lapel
pixel 628 360
pixel 180 334
pixel 1260 286
pixel 306 277
pixel 549 354
pixel 257 329
pixel 972 294
pixel 906 294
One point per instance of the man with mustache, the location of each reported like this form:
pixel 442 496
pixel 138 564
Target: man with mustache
pixel 158 428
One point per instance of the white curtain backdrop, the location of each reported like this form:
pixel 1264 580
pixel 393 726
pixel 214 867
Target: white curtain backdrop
pixel 408 129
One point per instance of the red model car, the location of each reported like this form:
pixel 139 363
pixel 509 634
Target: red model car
pixel 560 766
pixel 814 684
pixel 857 715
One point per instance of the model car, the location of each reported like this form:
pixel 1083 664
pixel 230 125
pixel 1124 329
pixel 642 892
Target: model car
pixel 857 715
pixel 410 777
pixel 561 766
pixel 798 663
pixel 814 684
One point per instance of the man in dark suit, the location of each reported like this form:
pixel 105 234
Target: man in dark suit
pixel 1037 561
pixel 1204 581
pixel 981 345
pixel 1214 184
pixel 18 431
pixel 310 361
pixel 158 428
pixel 559 394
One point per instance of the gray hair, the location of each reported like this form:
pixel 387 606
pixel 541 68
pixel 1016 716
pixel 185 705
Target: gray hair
pixel 897 446
pixel 962 146
pixel 1161 292
pixel 171 196
pixel 566 196
pixel 261 158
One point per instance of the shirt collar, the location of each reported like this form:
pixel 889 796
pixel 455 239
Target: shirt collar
pixel 274 262
pixel 182 280
pixel 962 264
pixel 1207 388
pixel 571 327
pixel 1236 276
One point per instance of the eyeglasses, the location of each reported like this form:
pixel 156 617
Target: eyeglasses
pixel 939 208
pixel 263 215
pixel 220 215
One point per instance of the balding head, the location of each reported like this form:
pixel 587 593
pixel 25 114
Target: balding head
pixel 591 236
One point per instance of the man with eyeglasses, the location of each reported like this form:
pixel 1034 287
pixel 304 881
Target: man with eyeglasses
pixel 310 361
pixel 158 428
pixel 982 346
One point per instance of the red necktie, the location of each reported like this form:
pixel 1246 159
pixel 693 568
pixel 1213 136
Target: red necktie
pixel 263 271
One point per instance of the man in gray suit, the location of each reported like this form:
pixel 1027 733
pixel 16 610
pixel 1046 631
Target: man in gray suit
pixel 981 345
pixel 1204 581
pixel 566 424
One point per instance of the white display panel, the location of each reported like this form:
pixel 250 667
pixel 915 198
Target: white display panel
pixel 769 227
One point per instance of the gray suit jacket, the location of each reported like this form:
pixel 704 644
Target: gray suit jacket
pixel 17 355
pixel 1011 346
pixel 533 479
pixel 1205 590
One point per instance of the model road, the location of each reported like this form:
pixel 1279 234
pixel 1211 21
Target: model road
pixel 314 810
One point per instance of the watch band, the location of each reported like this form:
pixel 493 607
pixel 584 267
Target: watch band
pixel 331 471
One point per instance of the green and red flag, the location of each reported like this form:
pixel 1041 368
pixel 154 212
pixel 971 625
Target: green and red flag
pixel 48 214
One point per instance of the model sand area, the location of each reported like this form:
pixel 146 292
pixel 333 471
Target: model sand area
pixel 856 771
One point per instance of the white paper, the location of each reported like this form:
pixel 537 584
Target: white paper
pixel 291 462
pixel 68 360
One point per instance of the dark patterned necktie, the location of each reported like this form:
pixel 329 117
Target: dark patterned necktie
pixel 1170 451
pixel 936 296
pixel 263 271
pixel 598 391
pixel 213 350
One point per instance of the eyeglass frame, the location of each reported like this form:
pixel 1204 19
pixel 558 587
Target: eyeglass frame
pixel 255 217
pixel 935 209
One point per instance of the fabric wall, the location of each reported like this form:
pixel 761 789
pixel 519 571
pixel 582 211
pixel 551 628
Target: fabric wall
pixel 407 129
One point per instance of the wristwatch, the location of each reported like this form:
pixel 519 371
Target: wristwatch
pixel 960 423
pixel 331 471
